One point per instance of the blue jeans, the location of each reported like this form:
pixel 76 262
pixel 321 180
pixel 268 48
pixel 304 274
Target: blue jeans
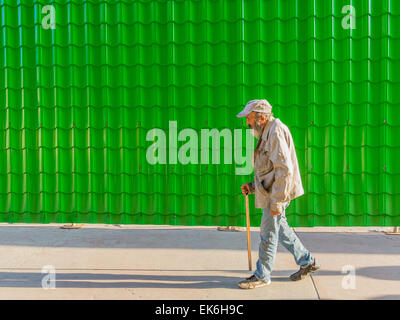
pixel 272 229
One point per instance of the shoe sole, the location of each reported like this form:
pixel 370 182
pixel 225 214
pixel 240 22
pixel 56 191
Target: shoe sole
pixel 257 286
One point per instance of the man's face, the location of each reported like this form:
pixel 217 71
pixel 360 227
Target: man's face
pixel 251 120
pixel 257 125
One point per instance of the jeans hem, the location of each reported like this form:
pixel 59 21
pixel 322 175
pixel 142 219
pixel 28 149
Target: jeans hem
pixel 305 265
pixel 262 279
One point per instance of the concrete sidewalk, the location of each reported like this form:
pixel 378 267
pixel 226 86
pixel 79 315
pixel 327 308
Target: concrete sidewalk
pixel 173 262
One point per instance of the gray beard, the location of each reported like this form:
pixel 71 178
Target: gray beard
pixel 257 130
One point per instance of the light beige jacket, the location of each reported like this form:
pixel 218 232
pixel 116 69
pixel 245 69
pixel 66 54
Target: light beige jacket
pixel 276 170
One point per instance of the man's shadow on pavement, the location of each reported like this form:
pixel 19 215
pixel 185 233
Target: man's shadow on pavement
pixel 108 280
pixel 11 279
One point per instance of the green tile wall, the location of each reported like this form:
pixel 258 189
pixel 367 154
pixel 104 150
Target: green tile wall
pixel 77 101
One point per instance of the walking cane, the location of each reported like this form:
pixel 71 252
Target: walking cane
pixel 248 230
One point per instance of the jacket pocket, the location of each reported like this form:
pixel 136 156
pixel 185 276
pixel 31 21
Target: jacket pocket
pixel 265 187
pixel 265 181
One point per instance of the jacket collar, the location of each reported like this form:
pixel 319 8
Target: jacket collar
pixel 264 134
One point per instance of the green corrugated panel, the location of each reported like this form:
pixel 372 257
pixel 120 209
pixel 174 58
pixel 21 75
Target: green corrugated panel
pixel 77 102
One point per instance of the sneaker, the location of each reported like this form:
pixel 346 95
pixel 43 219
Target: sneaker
pixel 252 282
pixel 305 271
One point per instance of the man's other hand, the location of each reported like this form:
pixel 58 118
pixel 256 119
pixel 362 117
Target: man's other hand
pixel 274 213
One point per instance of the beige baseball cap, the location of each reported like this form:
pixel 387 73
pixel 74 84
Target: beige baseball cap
pixel 257 106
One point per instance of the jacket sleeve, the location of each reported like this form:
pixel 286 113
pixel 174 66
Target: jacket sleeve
pixel 283 170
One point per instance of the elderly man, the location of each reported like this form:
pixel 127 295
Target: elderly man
pixel 277 181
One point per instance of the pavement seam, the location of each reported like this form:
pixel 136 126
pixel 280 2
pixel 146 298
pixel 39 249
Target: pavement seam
pixel 315 287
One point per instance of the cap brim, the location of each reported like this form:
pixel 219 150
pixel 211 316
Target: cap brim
pixel 242 114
